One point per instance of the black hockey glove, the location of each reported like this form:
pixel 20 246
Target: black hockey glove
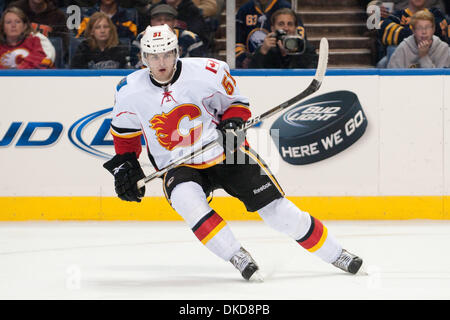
pixel 127 172
pixel 231 139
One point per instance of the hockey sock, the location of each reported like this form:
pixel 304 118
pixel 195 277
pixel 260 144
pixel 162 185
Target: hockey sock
pixel 283 216
pixel 216 235
pixel 189 201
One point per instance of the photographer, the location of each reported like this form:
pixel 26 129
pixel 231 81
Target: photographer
pixel 284 47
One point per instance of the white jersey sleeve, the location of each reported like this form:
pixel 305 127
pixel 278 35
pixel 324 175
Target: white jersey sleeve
pixel 227 94
pixel 125 122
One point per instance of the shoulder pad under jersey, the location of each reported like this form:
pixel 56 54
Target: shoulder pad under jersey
pixel 122 83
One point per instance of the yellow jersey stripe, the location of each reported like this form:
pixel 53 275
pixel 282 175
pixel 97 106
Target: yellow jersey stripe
pixel 389 39
pixel 126 135
pixel 270 6
pixel 208 164
pixel 396 34
pixel 386 31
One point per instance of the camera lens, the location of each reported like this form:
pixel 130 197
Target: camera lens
pixel 291 44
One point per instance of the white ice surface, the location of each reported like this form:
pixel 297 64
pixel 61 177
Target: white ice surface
pixel 164 260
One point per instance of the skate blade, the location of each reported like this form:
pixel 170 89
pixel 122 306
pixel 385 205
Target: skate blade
pixel 256 277
pixel 363 270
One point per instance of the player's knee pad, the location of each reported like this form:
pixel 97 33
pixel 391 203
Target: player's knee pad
pixel 189 200
pixel 283 216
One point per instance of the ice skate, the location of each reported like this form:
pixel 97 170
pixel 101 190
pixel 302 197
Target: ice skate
pixel 243 261
pixel 348 262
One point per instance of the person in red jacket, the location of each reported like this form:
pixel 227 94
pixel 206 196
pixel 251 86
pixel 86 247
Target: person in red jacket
pixel 20 47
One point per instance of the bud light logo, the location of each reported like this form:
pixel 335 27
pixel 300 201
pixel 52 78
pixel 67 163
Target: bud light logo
pixel 319 111
pixel 89 134
pixel 78 130
pixel 28 137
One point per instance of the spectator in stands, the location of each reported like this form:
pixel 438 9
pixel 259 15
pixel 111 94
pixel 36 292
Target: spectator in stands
pixel 143 11
pixel 190 18
pixel 80 3
pixel 101 49
pixel 208 8
pixel 123 19
pixel 422 49
pixel 396 27
pixel 46 18
pixel 403 4
pixel 273 54
pixel 20 46
pixel 253 24
pixel 190 44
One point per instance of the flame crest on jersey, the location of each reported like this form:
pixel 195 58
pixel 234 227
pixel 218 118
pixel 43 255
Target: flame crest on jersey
pixel 167 127
pixel 14 57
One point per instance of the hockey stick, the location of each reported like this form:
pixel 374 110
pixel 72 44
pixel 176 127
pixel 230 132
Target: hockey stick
pixel 313 87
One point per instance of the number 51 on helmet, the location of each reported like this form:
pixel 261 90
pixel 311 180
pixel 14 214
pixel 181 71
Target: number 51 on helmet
pixel 158 39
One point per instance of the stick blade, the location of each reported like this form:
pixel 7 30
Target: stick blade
pixel 323 60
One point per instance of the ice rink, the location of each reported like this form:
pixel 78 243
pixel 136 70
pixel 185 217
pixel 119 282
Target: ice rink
pixel 164 260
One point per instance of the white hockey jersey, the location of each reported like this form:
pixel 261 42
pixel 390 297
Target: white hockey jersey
pixel 179 118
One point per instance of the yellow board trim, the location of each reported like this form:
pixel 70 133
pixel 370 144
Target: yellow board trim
pixel 158 209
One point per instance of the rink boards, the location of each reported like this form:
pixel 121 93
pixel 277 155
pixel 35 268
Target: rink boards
pixel 54 140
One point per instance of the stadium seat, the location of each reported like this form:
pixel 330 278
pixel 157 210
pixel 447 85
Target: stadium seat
pixel 73 45
pixel 58 45
pixel 126 42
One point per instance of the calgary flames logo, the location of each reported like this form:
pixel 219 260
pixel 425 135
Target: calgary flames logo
pixel 13 58
pixel 167 127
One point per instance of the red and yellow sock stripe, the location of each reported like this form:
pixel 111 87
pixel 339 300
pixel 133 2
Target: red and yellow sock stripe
pixel 315 237
pixel 208 227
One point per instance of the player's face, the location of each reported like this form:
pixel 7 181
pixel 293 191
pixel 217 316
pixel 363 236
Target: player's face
pixel 13 25
pixel 285 22
pixel 162 65
pixel 101 30
pixel 161 19
pixel 423 30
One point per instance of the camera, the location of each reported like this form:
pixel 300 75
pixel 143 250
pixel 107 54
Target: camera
pixel 293 44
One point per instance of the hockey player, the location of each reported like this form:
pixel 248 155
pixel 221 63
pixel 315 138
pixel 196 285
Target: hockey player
pixel 180 105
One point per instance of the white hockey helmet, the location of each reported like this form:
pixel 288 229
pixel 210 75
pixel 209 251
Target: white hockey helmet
pixel 158 39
